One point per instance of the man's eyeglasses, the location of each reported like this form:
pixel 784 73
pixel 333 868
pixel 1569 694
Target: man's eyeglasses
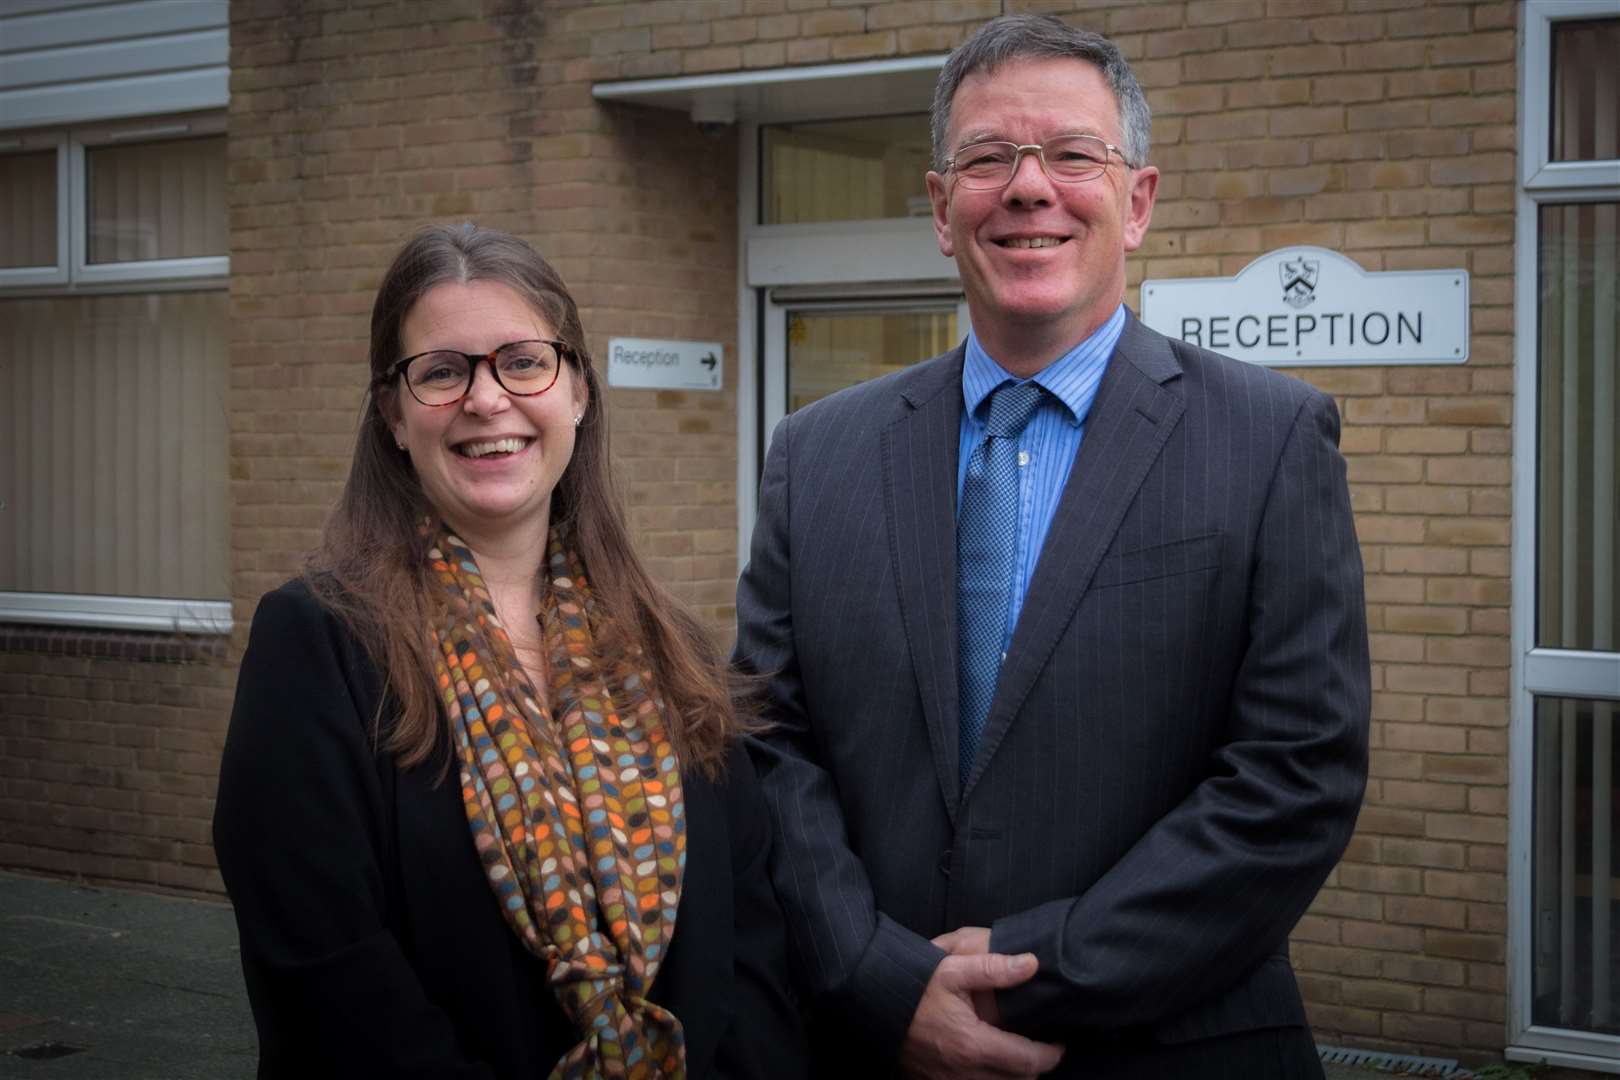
pixel 443 376
pixel 1066 159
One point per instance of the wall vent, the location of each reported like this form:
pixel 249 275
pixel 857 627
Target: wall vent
pixel 1403 1064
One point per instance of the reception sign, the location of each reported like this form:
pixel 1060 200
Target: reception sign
pixel 1308 306
pixel 647 364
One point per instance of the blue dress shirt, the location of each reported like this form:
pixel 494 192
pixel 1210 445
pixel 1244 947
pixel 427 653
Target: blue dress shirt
pixel 1049 443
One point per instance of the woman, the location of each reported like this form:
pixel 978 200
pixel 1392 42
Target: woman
pixel 591 898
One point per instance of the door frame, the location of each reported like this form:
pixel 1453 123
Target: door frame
pixel 1541 671
pixel 884 264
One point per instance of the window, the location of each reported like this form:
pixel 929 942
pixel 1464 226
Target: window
pixel 28 216
pixel 113 437
pixel 1565 877
pixel 845 170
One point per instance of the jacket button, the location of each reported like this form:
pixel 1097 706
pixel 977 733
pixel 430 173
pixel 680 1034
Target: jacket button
pixel 945 862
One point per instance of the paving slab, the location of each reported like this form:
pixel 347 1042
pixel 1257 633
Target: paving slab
pixel 120 985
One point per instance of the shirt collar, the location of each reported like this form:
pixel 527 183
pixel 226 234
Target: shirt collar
pixel 1072 378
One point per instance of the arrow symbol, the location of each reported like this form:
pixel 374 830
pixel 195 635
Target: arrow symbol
pixel 709 361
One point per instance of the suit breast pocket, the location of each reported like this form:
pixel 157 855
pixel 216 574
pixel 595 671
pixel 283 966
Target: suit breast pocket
pixel 1169 559
pixel 1150 624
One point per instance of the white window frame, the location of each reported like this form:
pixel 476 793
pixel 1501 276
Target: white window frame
pixel 73 270
pixel 74 274
pixel 117 612
pixel 750 446
pixel 83 272
pixel 57 272
pixel 1538 671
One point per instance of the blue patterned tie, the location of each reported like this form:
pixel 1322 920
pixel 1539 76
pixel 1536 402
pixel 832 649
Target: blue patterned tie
pixel 987 558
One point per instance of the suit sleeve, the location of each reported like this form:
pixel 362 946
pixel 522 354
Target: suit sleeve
pixel 856 963
pixel 298 831
pixel 1217 884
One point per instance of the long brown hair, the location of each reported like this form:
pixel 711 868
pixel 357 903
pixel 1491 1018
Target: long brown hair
pixel 371 567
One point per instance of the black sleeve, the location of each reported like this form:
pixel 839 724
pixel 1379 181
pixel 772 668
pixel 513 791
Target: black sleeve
pixel 766 1038
pixel 855 962
pixel 300 831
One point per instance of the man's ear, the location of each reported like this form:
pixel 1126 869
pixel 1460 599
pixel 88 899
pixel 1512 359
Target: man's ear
pixel 1139 207
pixel 939 197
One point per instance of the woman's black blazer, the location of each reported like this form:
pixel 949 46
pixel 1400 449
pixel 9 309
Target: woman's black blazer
pixel 371 943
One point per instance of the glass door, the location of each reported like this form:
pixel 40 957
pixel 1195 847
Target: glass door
pixel 814 348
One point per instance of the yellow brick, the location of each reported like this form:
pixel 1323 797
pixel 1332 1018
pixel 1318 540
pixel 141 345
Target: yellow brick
pixel 1419 1029
pixel 859 46
pixel 1466 827
pixel 1424 795
pixel 1427 911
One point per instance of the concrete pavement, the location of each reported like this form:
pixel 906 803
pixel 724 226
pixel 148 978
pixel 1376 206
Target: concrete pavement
pixel 97 983
pixel 130 986
pixel 102 984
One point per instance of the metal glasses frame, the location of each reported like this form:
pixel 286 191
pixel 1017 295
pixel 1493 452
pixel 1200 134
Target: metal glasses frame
pixel 1039 150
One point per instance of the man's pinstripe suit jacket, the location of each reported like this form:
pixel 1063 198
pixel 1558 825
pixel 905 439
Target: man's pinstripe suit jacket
pixel 1176 750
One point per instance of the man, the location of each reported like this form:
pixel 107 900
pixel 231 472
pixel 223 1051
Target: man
pixel 1065 639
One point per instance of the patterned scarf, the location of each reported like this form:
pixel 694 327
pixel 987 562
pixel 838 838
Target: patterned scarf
pixel 575 805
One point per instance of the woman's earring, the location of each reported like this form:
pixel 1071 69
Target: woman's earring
pixel 578 418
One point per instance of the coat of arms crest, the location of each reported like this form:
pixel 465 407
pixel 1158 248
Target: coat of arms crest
pixel 1298 281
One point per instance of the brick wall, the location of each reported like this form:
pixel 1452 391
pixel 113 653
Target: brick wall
pixel 111 745
pixel 1381 128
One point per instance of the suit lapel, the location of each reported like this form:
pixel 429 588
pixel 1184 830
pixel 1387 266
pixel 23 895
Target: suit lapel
pixel 919 480
pixel 1129 424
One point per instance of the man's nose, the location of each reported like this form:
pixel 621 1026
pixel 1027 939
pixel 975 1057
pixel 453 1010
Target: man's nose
pixel 1029 182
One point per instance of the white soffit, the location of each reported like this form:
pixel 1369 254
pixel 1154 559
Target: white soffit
pixel 788 94
pixel 69 62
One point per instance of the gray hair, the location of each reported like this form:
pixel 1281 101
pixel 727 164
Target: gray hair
pixel 1021 37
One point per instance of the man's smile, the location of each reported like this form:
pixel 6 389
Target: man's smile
pixel 1031 241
